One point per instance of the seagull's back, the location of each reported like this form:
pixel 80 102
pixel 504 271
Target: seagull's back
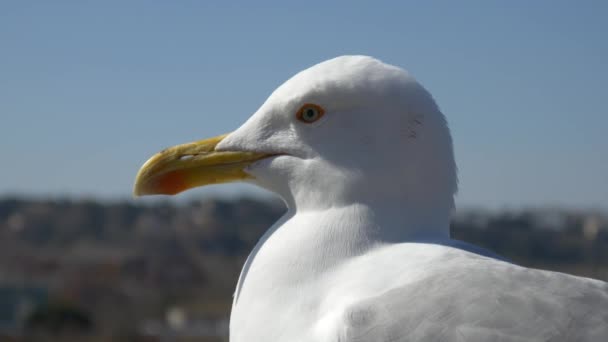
pixel 426 292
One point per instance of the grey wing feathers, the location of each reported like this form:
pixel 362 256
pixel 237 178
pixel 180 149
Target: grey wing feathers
pixel 506 303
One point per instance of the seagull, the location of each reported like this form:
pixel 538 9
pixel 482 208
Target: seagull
pixel 362 157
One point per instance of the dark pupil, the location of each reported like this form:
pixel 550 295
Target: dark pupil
pixel 310 113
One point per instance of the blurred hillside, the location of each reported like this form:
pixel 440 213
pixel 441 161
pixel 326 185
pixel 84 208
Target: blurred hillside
pixel 85 270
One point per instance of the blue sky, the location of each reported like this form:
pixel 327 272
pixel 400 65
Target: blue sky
pixel 89 90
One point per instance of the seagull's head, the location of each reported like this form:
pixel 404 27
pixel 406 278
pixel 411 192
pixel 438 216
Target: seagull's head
pixel 344 130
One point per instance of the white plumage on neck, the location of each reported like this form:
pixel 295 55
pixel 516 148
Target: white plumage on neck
pixel 303 244
pixel 285 268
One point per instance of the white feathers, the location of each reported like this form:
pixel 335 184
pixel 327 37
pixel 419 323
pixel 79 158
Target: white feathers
pixel 382 137
pixel 363 253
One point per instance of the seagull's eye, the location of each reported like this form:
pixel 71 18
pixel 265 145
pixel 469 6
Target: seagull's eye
pixel 310 113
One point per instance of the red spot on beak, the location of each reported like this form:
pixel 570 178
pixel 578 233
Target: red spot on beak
pixel 171 183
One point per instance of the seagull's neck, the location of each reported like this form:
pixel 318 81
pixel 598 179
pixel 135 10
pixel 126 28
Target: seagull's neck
pixel 304 244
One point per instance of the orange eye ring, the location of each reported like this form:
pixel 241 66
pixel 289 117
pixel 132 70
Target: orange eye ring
pixel 310 113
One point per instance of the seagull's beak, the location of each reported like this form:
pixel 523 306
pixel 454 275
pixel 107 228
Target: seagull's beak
pixel 191 165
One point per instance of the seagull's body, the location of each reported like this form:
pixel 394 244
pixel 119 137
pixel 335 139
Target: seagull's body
pixel 297 286
pixel 362 156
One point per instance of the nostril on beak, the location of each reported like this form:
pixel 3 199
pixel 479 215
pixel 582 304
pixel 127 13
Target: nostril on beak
pixel 187 156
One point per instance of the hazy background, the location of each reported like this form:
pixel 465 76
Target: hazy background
pixel 89 90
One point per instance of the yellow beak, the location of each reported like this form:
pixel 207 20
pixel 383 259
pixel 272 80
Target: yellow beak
pixel 191 165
